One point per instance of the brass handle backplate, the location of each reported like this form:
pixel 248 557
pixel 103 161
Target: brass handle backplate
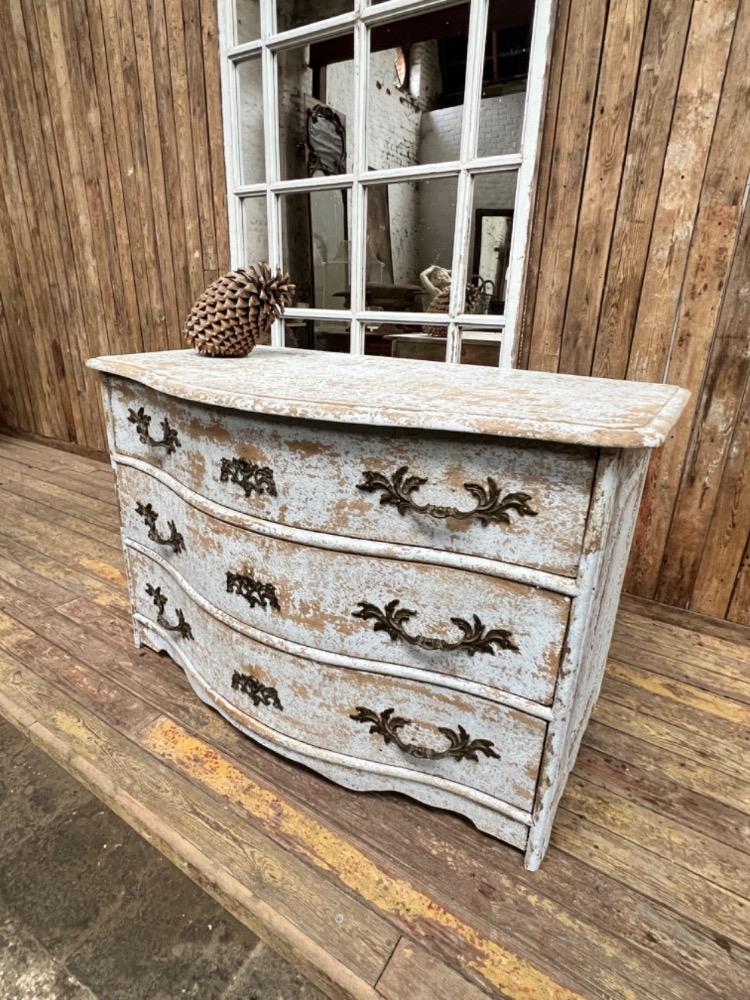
pixel 258 692
pixel 490 506
pixel 475 637
pixel 460 745
pixel 253 478
pixel 149 515
pixel 255 592
pixel 142 422
pixel 160 601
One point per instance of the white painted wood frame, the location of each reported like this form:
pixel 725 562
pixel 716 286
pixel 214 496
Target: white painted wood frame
pixel 359 21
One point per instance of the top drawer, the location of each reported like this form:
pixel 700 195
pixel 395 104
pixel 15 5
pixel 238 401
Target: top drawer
pixel 503 499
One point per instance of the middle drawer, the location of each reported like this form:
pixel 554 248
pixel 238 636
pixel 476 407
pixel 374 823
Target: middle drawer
pixel 491 631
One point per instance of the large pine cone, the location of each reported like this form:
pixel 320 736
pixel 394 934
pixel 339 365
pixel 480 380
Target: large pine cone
pixel 236 310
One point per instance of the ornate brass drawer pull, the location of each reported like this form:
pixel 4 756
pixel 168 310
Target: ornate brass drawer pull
pixel 160 601
pixel 255 592
pixel 142 422
pixel 490 506
pixel 149 515
pixel 259 693
pixel 460 745
pixel 475 638
pixel 253 478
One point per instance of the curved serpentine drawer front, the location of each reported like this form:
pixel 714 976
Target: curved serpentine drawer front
pixel 473 742
pixel 511 501
pixel 492 631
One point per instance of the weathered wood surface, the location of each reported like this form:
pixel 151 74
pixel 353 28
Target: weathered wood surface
pixel 317 468
pixel 316 591
pixel 640 259
pixel 379 392
pixel 113 212
pixel 643 897
pixel 314 702
pixel 307 594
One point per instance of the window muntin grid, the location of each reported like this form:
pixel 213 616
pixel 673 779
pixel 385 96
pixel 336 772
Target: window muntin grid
pixel 360 21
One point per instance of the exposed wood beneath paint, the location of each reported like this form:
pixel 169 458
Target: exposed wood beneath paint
pixel 381 392
pixel 646 896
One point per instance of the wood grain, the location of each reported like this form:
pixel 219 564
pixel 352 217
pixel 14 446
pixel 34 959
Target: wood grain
pixel 105 112
pixel 642 260
pixel 537 406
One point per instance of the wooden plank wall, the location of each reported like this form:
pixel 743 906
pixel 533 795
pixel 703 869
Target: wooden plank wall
pixel 640 263
pixel 112 194
pixel 113 219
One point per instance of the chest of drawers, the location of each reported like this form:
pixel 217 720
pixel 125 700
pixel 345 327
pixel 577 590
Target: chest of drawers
pixel 401 574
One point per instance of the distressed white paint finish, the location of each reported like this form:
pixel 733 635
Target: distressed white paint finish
pixel 318 590
pixel 343 543
pixel 615 502
pixel 491 815
pixel 317 469
pixel 426 395
pixel 534 704
pixel 317 702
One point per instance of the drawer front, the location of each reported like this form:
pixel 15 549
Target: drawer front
pixel 507 500
pixel 486 629
pixel 365 715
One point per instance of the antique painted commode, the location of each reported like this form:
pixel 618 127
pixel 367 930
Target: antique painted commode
pixel 402 574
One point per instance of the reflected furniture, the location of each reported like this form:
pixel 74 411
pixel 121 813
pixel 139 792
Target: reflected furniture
pixel 402 575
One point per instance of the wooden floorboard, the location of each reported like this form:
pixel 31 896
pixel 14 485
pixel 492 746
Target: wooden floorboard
pixel 644 892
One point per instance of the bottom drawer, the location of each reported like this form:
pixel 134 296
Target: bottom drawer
pixel 463 739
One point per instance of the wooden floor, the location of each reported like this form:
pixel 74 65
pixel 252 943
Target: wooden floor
pixel 644 892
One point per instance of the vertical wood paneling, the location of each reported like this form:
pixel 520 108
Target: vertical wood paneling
pixel 667 297
pixel 112 201
pixel 612 113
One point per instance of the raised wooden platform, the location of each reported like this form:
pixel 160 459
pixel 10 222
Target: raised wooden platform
pixel 644 893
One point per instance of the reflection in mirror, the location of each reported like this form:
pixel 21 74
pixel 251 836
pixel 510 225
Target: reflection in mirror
pixel 416 90
pixel 410 244
pixel 317 335
pixel 316 238
pixel 252 147
pixel 316 83
pixel 504 77
pixel 295 13
pixel 491 230
pixel 325 138
pixel 254 230
pixel 247 21
pixel 406 341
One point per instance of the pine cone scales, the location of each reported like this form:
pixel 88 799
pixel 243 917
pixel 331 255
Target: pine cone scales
pixel 236 311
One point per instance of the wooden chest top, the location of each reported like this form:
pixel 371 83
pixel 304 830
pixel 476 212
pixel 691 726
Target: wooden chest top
pixel 418 394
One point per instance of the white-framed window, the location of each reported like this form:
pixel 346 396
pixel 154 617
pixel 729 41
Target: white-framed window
pixel 383 153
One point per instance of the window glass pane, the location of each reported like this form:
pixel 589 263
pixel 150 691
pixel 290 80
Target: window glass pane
pixel 504 77
pixel 295 13
pixel 410 244
pixel 416 89
pixel 247 27
pixel 252 146
pixel 414 342
pixel 480 347
pixel 254 230
pixel 316 246
pixel 316 85
pixel 491 229
pixel 317 335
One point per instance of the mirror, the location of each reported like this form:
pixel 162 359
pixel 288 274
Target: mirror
pixel 492 232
